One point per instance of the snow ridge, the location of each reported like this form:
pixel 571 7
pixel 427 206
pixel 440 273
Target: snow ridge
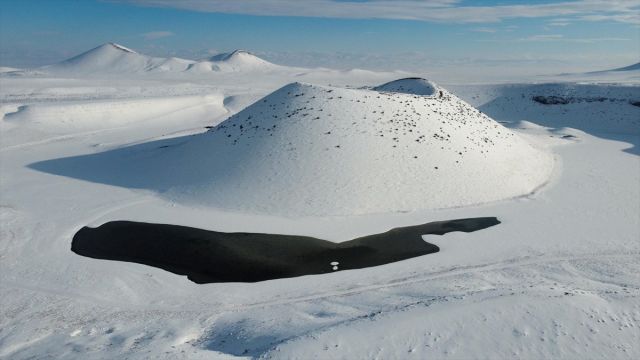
pixel 120 47
pixel 415 86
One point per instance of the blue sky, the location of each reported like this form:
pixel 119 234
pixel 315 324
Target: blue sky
pixel 379 34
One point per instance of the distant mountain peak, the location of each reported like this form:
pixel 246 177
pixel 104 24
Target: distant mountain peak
pixel 635 66
pixel 632 67
pixel 120 47
pixel 233 54
pixel 112 58
pixel 239 52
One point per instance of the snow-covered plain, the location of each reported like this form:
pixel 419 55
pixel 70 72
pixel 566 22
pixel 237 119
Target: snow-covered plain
pixel 557 279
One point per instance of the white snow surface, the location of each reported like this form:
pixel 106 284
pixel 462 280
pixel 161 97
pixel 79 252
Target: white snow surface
pixel 596 108
pixel 415 86
pixel 556 279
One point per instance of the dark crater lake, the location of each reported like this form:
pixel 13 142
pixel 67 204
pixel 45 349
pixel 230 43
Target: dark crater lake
pixel 209 256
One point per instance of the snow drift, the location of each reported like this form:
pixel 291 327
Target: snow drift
pixel 73 117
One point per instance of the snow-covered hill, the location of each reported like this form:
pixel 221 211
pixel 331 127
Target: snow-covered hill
pixel 415 86
pixel 240 60
pixel 113 59
pixel 316 150
pixel 633 67
pixel 626 74
pixel 235 61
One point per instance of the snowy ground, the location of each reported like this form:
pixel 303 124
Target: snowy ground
pixel 557 279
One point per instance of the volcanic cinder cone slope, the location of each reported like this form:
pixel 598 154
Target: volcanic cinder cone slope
pixel 415 86
pixel 316 150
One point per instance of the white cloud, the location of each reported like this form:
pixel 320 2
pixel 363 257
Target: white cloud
pixel 557 37
pixel 157 35
pixel 425 10
pixel 558 23
pixel 543 38
pixel 484 30
pixel 630 18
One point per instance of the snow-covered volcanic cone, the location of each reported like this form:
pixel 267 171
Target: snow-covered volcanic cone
pixel 315 150
pixel 111 58
pixel 237 60
pixel 240 60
